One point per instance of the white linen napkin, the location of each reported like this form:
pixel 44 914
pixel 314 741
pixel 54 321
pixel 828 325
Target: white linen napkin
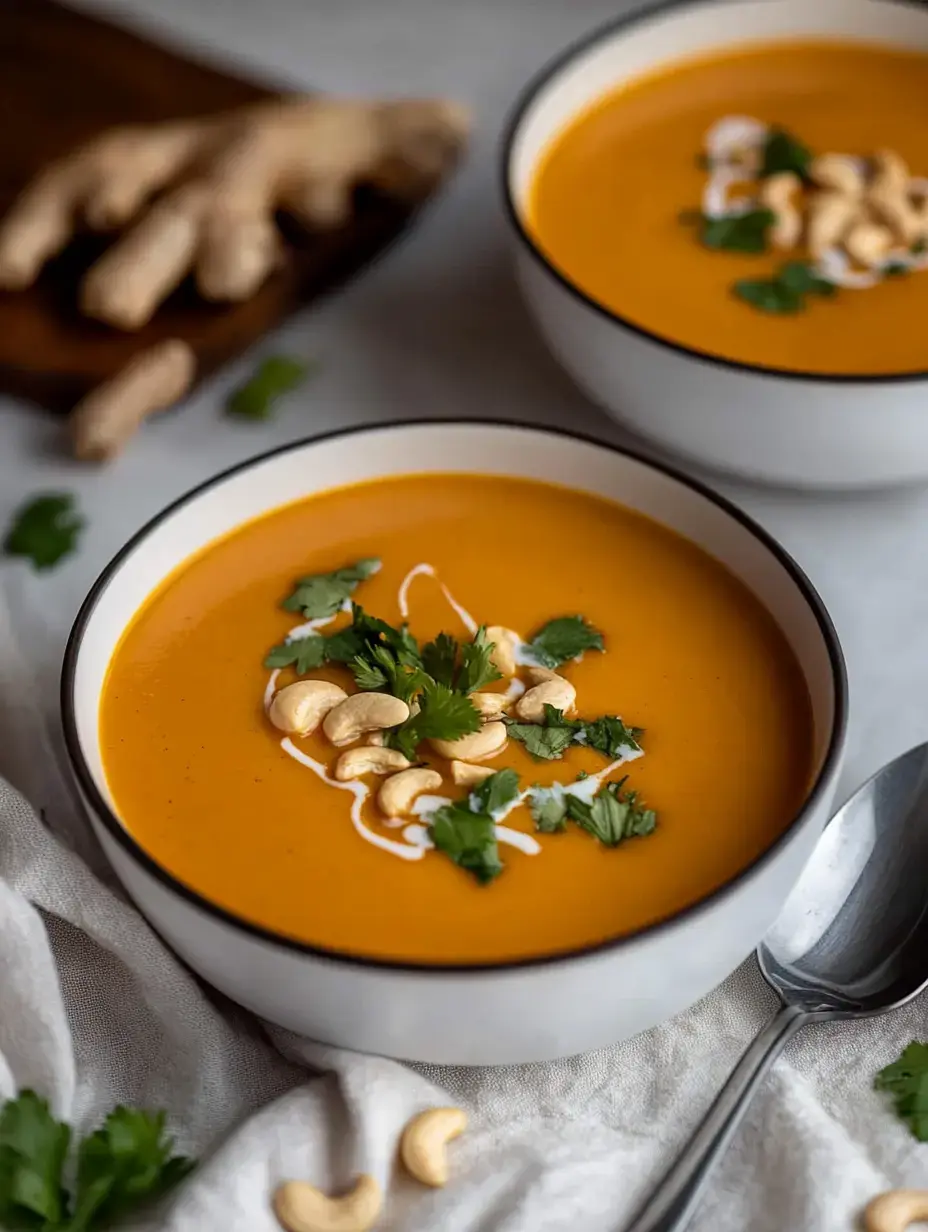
pixel 94 1010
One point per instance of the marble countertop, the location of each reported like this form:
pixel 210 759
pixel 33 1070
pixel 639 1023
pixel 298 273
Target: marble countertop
pixel 436 329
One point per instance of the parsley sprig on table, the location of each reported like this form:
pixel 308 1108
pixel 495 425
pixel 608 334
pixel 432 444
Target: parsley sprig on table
pixel 45 530
pixel 906 1081
pixel 550 739
pixel 123 1166
pixel 464 831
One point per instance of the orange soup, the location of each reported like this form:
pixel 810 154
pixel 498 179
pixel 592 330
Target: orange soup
pixel 620 623
pixel 695 231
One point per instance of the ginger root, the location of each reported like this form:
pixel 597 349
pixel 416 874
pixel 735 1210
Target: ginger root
pixel 201 195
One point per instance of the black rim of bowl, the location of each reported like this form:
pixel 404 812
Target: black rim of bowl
pixel 641 17
pixel 132 848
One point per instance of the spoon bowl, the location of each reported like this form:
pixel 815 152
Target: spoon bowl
pixel 850 942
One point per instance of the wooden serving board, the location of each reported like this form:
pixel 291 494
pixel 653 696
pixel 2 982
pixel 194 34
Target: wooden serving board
pixel 65 76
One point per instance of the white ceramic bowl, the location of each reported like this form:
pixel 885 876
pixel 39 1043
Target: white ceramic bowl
pixel 494 1013
pixel 765 424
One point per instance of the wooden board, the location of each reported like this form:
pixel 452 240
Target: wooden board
pixel 65 76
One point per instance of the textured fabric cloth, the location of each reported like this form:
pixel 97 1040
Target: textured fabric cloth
pixel 94 1010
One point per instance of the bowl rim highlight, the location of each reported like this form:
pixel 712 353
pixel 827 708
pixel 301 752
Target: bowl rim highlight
pixel 121 835
pixel 525 100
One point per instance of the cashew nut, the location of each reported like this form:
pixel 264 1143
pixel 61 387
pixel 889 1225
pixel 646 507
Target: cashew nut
pixel 503 655
pixel 888 197
pixel 301 1207
pixel 299 708
pixel 363 712
pixel 559 693
pixel 837 173
pixel 396 796
pixel 479 746
pixel 422 1146
pixel 463 774
pixel 778 194
pixel 830 216
pixel 539 675
pixel 867 243
pixel 894 1211
pixel 366 759
pixel 375 740
pixel 489 705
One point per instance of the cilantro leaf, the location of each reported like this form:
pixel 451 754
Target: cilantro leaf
pixel 495 792
pixel 784 152
pixel 127 1163
pixel 549 811
pixel 440 658
pixel 477 669
pixel 443 715
pixel 378 668
pixel 276 375
pixel 563 639
pixel 324 594
pixel 33 1148
pixel 467 838
pixel 315 649
pixel 368 676
pixel 610 736
pixel 738 232
pixel 545 741
pixel 918 247
pixel 612 815
pixel 786 292
pixel 45 530
pixel 906 1081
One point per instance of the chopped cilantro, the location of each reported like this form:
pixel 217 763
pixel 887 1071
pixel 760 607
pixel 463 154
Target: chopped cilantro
pixel 324 594
pixel 918 248
pixel 463 668
pixel 549 811
pixel 563 639
pixel 895 269
pixel 786 293
pixel 612 815
pixel 442 715
pixel 314 649
pixel 440 658
pixel 276 375
pixel 784 152
pixel 906 1081
pixel 467 838
pixel 738 232
pixel 123 1166
pixel 551 738
pixel 609 736
pixel 496 791
pixel 45 530
pixel 378 667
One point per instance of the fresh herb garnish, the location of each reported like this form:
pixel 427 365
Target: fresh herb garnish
pixel 562 639
pixel 549 811
pixel 786 293
pixel 738 232
pixel 315 649
pixel 277 375
pixel 906 1081
pixel 551 738
pixel 45 530
pixel 895 269
pixel 464 831
pixel 126 1164
pixel 462 667
pixel 612 815
pixel 442 715
pixel 323 594
pixel 784 152
pixel 918 248
pixel 379 668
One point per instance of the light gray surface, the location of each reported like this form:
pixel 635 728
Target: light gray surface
pixel 437 329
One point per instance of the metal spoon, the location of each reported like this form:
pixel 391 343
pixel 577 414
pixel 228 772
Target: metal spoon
pixel 851 942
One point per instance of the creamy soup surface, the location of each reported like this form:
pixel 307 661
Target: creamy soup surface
pixel 607 200
pixel 199 775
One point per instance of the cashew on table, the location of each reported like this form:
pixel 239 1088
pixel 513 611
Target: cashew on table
pixel 200 197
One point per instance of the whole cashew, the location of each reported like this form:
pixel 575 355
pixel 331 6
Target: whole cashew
pixel 299 708
pixel 830 216
pixel 894 1211
pixel 837 173
pixel 888 197
pixel 366 759
pixel 867 243
pixel 422 1146
pixel 463 774
pixel 363 712
pixel 396 796
pixel 778 193
pixel 300 1207
pixel 489 705
pixel 540 675
pixel 559 693
pixel 503 655
pixel 480 746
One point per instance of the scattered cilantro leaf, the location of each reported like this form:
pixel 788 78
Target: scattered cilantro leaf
pixel 378 668
pixel 368 676
pixel 315 649
pixel 45 530
pixel 545 741
pixel 495 792
pixel 895 269
pixel 33 1149
pixel 443 715
pixel 549 811
pixel 784 152
pixel 612 815
pixel 323 594
pixel 609 735
pixel 563 639
pixel 125 1164
pixel 440 657
pixel 918 248
pixel 785 293
pixel 906 1081
pixel 738 232
pixel 275 376
pixel 467 838
pixel 476 668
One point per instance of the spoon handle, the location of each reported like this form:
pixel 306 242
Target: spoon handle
pixel 671 1206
